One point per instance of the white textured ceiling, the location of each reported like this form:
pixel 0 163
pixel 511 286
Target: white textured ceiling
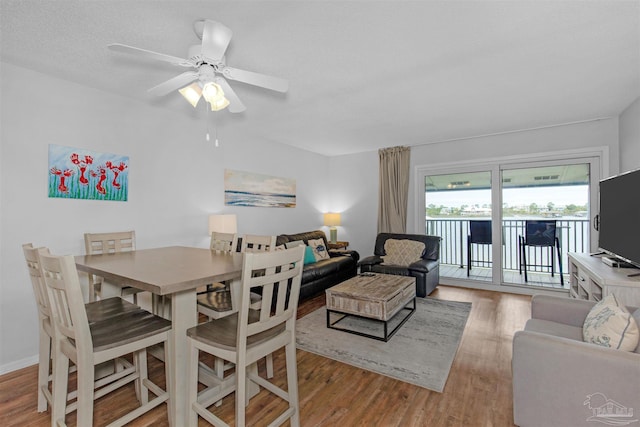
pixel 363 74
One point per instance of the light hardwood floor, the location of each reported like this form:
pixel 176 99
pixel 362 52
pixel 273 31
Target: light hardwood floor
pixel 477 393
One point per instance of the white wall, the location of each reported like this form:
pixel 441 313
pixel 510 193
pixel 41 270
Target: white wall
pixel 630 137
pixel 175 182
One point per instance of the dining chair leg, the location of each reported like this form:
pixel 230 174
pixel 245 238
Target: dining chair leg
pixel 59 387
pixel 85 379
pixel 269 363
pixel 292 382
pixel 142 393
pixel 241 392
pixel 44 362
pixel 192 396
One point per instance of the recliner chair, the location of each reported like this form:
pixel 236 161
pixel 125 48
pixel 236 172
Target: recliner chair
pixel 426 270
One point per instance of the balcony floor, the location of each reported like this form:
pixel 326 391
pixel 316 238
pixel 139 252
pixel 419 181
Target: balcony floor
pixel 536 279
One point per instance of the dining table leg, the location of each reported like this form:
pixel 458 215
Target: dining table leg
pixel 183 316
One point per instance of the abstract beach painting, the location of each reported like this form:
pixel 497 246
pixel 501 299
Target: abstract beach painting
pixel 252 189
pixel 77 173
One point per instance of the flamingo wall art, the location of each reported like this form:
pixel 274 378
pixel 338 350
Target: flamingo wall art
pixel 76 173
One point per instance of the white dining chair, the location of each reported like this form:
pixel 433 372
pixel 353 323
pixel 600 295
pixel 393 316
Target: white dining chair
pixel 96 311
pixel 249 335
pixel 216 301
pixel 88 345
pixel 104 243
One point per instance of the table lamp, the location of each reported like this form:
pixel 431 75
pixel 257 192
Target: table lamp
pixel 223 223
pixel 331 220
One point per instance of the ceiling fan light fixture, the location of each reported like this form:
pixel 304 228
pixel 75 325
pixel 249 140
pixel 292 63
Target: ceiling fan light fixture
pixel 219 104
pixel 214 95
pixel 191 93
pixel 212 92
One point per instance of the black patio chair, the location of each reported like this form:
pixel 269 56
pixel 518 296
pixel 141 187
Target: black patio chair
pixel 479 234
pixel 540 234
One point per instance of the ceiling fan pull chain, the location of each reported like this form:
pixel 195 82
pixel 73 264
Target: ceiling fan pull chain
pixel 207 120
pixel 216 125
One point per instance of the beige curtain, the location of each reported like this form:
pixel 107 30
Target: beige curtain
pixel 394 189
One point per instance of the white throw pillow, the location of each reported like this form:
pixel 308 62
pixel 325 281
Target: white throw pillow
pixel 402 252
pixel 319 249
pixel 610 325
pixel 293 244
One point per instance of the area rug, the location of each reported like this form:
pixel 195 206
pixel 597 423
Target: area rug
pixel 420 353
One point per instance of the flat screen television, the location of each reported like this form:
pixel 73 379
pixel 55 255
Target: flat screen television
pixel 620 217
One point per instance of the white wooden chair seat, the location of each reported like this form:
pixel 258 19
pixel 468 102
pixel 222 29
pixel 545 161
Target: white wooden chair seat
pixel 108 308
pixel 222 332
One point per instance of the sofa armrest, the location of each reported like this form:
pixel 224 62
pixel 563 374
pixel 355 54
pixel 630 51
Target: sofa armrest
pixel 554 377
pixel 371 260
pixel 344 252
pixel 568 311
pixel 423 265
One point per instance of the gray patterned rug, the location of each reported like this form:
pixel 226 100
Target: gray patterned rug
pixel 420 353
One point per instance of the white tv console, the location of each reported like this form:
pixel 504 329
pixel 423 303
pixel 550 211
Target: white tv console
pixel 591 279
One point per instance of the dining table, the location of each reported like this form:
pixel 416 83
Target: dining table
pixel 177 272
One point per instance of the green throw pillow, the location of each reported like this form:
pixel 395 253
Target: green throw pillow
pixel 309 257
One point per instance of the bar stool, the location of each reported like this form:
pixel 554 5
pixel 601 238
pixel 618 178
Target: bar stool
pixel 248 335
pixel 88 345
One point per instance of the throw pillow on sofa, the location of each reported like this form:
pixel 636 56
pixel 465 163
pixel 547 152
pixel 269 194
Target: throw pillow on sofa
pixel 293 244
pixel 610 325
pixel 319 249
pixel 309 256
pixel 402 252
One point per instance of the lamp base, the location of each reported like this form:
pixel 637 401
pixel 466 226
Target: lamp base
pixel 333 234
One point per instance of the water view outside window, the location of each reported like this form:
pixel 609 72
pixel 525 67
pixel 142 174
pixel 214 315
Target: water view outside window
pixel 558 193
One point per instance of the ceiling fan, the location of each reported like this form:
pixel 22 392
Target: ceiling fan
pixel 208 79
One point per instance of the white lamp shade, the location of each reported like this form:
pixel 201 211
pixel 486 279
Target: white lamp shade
pixel 191 93
pixel 223 223
pixel 331 219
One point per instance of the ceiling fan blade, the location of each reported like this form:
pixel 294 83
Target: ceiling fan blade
pixel 235 105
pixel 256 79
pixel 150 54
pixel 215 39
pixel 175 83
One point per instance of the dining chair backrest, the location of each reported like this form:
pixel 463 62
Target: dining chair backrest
pixel 224 242
pixel 256 243
pixel 67 304
pixel 31 256
pixel 105 243
pixel 279 286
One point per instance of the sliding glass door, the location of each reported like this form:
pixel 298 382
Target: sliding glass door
pixel 545 215
pixel 482 214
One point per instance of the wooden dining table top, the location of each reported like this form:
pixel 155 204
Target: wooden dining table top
pixel 165 270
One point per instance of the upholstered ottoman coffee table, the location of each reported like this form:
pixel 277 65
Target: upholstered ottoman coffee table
pixel 376 296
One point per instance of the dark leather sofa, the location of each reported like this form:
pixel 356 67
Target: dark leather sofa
pixel 323 274
pixel 426 270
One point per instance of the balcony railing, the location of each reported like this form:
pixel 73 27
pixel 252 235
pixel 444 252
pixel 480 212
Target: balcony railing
pixel 573 235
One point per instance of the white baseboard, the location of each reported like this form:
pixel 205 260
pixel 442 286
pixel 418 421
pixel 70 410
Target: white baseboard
pixel 18 364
